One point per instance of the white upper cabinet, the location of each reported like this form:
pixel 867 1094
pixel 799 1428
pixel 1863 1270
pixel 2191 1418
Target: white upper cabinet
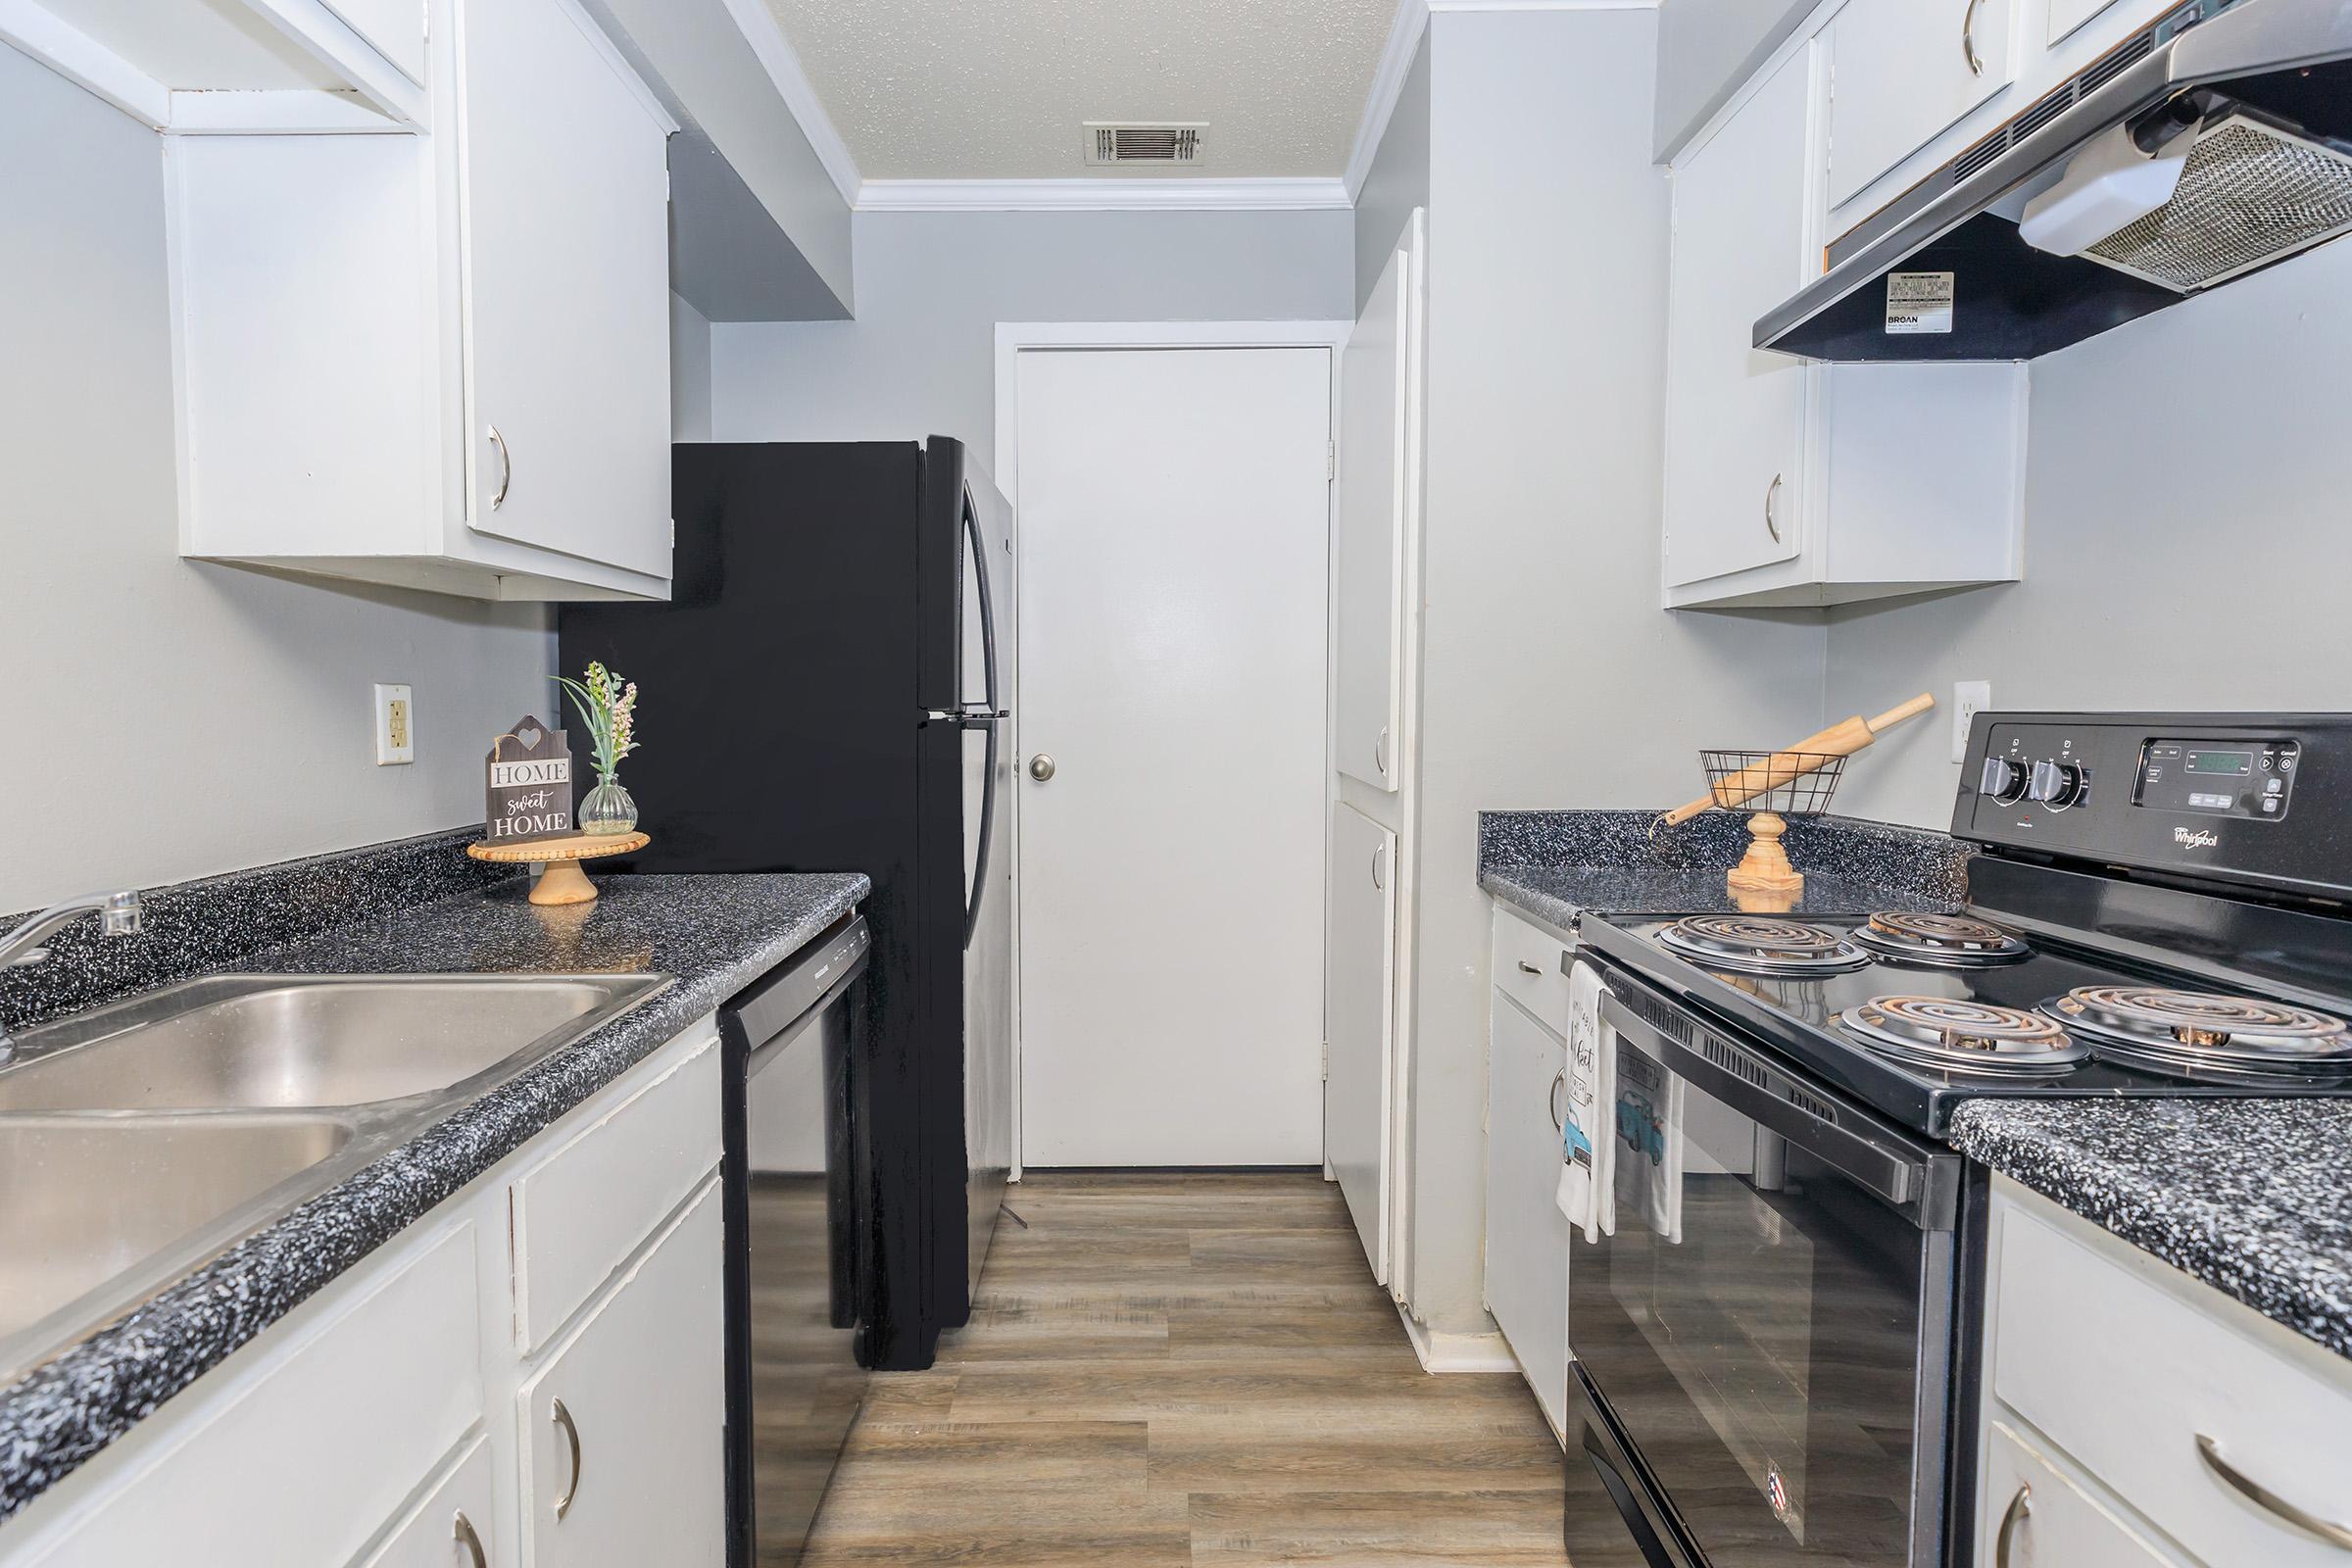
pixel 1902 70
pixel 1793 483
pixel 567 290
pixel 1736 424
pixel 437 359
pixel 1379 479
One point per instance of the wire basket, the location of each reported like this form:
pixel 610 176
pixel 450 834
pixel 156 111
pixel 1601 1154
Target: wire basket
pixel 1791 783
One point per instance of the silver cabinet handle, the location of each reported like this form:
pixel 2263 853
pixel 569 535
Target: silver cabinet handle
pixel 1380 751
pixel 1772 523
pixel 1967 39
pixel 1041 767
pixel 2269 1502
pixel 1376 881
pixel 464 1532
pixel 2020 1506
pixel 1559 1081
pixel 506 468
pixel 1526 967
pixel 572 1433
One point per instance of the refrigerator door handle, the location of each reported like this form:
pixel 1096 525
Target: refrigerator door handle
pixel 988 824
pixel 988 613
pixel 987 719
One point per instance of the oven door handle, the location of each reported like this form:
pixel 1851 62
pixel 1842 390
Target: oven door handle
pixel 1904 1181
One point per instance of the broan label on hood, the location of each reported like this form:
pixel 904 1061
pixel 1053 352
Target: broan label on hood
pixel 1919 302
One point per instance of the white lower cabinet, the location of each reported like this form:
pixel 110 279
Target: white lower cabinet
pixel 1359 1024
pixel 2031 1515
pixel 625 1423
pixel 1527 1235
pixel 2153 1419
pixel 359 1428
pixel 453 1525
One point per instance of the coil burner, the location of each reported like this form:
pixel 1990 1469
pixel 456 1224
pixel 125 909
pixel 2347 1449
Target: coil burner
pixel 2189 1031
pixel 1942 941
pixel 1951 1034
pixel 1751 943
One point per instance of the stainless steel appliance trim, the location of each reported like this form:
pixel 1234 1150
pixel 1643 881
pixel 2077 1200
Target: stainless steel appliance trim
pixel 1916 1181
pixel 2269 1502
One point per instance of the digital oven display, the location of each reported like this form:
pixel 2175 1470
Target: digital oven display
pixel 2233 764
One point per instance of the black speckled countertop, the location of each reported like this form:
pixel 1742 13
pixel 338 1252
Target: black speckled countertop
pixel 1553 864
pixel 714 934
pixel 1555 893
pixel 2253 1197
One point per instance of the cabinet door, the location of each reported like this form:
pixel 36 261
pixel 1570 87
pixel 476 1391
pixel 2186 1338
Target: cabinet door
pixel 1526 1236
pixel 2050 1522
pixel 623 1427
pixel 566 288
pixel 442 1530
pixel 1903 71
pixel 1377 472
pixel 1359 1022
pixel 1735 415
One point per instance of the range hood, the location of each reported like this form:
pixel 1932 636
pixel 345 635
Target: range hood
pixel 2206 146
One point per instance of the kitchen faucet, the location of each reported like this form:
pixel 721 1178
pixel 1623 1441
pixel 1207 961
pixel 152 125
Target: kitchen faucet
pixel 118 915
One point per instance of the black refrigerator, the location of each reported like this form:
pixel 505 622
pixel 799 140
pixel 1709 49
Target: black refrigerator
pixel 829 689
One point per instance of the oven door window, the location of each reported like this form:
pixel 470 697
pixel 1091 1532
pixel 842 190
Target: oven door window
pixel 1753 1323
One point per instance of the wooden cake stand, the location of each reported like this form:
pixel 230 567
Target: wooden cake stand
pixel 560 879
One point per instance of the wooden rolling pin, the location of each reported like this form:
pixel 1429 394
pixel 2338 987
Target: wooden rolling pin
pixel 1839 740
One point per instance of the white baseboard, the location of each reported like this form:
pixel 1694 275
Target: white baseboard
pixel 1458 1353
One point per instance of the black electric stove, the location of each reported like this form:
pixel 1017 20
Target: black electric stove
pixel 1775 1333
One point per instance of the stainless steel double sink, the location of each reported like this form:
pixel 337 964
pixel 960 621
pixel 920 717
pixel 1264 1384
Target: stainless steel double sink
pixel 140 1139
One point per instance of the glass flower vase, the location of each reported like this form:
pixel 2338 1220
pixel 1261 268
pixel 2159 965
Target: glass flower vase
pixel 607 810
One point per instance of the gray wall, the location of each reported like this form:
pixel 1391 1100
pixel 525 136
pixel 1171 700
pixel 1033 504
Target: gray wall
pixel 162 719
pixel 2183 550
pixel 920 359
pixel 1397 180
pixel 1706 49
pixel 689 373
pixel 1551 676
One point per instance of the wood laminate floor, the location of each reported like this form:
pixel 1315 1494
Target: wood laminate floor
pixel 1181 1368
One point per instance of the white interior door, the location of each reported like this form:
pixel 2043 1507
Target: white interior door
pixel 1174 547
pixel 1359 1020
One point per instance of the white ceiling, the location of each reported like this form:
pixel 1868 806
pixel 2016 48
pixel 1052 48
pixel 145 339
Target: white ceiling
pixel 997 90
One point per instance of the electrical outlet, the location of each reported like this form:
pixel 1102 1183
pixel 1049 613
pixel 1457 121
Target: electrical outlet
pixel 1969 698
pixel 395 726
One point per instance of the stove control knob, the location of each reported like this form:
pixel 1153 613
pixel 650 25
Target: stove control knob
pixel 2003 780
pixel 2056 785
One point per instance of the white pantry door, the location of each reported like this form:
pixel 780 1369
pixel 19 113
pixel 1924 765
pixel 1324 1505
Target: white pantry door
pixel 1174 546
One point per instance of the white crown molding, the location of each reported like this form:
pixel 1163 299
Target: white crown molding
pixel 782 63
pixel 1388 84
pixel 1111 195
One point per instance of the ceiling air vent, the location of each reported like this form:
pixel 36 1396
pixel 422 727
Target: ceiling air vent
pixel 1165 143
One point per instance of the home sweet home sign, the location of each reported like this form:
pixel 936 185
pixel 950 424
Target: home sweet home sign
pixel 530 785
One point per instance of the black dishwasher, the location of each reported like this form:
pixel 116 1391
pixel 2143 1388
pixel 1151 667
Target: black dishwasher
pixel 798 1291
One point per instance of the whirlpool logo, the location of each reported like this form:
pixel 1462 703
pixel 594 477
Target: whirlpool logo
pixel 2202 838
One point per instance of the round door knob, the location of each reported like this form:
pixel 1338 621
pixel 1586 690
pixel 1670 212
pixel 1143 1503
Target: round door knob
pixel 1041 767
